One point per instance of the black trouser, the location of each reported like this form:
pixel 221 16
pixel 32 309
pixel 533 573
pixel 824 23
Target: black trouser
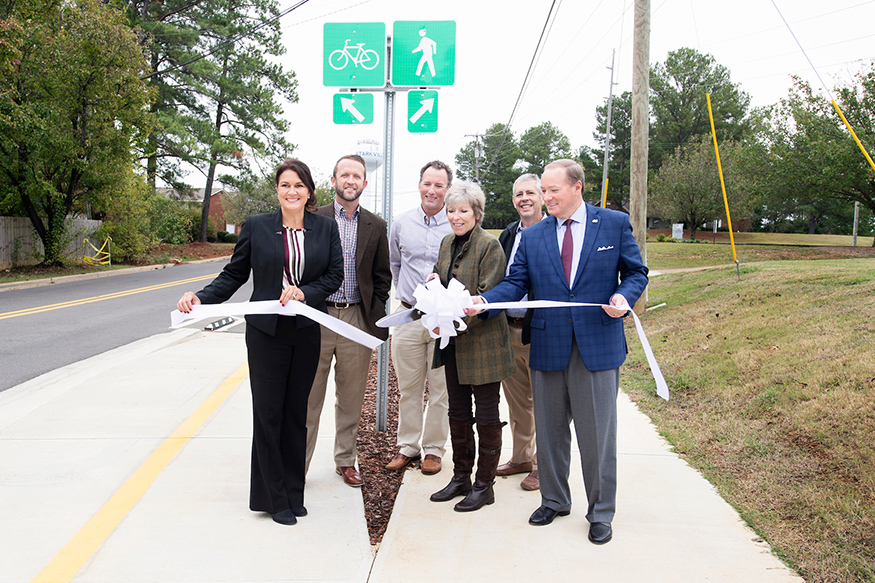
pixel 485 397
pixel 281 372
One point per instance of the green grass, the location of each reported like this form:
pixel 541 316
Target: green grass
pixel 685 255
pixel 798 239
pixel 773 400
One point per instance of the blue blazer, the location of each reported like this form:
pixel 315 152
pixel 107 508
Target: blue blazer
pixel 260 250
pixel 610 262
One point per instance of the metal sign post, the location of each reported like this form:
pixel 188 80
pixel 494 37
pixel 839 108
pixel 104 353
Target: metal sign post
pixel 388 179
pixel 353 60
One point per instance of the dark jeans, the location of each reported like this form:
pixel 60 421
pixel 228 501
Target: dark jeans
pixel 485 397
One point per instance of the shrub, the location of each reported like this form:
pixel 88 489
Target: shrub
pixel 169 221
pixel 226 237
pixel 127 220
pixel 195 229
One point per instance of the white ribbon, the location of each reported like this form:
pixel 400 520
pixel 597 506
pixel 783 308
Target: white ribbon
pixel 436 302
pixel 443 308
pixel 292 308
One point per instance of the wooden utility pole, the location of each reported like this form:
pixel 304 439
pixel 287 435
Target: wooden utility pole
pixel 640 131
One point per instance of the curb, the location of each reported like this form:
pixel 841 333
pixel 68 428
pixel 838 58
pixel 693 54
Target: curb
pixel 16 285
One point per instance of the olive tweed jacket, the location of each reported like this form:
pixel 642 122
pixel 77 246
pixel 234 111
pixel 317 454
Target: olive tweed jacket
pixel 483 352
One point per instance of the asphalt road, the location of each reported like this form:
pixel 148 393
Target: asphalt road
pixel 70 321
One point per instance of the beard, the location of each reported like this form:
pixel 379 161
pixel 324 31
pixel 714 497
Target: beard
pixel 342 194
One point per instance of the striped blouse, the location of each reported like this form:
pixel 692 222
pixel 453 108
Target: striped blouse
pixel 293 267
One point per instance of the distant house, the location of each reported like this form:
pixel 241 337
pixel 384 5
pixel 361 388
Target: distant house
pixel 194 198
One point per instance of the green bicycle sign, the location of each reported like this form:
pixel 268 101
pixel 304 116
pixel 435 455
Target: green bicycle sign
pixel 354 54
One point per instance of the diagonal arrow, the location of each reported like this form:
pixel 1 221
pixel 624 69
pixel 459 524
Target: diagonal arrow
pixel 427 105
pixel 349 105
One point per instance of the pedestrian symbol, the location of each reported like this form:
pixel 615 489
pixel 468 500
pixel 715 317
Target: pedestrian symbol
pixel 428 48
pixel 423 53
pixel 354 54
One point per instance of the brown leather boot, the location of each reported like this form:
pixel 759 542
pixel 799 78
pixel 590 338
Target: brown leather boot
pixel 462 440
pixel 489 452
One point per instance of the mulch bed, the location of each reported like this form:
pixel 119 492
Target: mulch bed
pixel 375 450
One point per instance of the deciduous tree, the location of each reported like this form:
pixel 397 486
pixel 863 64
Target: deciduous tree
pixel 807 159
pixel 687 190
pixel 73 104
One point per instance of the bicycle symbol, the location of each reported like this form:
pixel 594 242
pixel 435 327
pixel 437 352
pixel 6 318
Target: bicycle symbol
pixel 367 58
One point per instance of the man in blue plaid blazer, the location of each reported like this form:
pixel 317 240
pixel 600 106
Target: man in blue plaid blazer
pixel 576 352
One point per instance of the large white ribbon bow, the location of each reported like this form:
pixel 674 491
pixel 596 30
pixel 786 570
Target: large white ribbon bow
pixel 443 308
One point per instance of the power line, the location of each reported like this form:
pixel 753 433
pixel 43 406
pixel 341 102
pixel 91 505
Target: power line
pixel 535 57
pixel 802 49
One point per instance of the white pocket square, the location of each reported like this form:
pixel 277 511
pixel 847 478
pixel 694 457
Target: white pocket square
pixel 608 248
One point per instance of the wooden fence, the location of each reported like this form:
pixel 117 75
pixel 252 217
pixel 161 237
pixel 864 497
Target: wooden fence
pixel 20 245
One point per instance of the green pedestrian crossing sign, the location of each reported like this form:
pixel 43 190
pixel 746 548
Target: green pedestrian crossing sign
pixel 423 53
pixel 353 108
pixel 422 112
pixel 354 54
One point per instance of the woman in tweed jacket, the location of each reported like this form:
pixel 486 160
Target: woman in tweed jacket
pixel 478 359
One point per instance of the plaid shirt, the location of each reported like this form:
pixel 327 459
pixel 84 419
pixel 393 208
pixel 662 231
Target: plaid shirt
pixel 349 228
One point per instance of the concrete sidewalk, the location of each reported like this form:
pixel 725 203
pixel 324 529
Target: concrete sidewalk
pixel 69 440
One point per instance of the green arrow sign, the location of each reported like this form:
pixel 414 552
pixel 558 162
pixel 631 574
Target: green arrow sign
pixel 423 53
pixel 422 112
pixel 354 54
pixel 353 108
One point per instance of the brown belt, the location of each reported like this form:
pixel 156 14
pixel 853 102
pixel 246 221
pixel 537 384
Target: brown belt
pixel 406 305
pixel 518 322
pixel 341 305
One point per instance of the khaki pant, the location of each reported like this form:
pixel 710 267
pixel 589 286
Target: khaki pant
pixel 352 361
pixel 518 392
pixel 412 354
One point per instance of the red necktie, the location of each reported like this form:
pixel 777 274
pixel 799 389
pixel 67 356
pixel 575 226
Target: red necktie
pixel 567 250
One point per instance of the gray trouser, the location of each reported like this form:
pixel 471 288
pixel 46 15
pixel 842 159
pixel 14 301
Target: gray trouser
pixel 590 400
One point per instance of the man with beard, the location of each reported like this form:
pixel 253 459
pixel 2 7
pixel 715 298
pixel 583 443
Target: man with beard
pixel 360 301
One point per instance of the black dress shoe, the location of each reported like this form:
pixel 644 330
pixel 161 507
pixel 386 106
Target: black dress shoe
pixel 458 486
pixel 600 533
pixel 544 516
pixel 286 517
pixel 299 510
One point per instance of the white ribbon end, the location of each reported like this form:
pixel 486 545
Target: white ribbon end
pixel 177 318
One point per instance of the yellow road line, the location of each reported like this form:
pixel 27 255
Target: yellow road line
pixel 121 294
pixel 85 543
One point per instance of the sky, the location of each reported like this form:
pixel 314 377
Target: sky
pixel 495 44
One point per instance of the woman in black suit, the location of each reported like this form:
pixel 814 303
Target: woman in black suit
pixel 294 254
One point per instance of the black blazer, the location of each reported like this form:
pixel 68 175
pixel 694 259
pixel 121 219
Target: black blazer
pixel 507 237
pixel 260 250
